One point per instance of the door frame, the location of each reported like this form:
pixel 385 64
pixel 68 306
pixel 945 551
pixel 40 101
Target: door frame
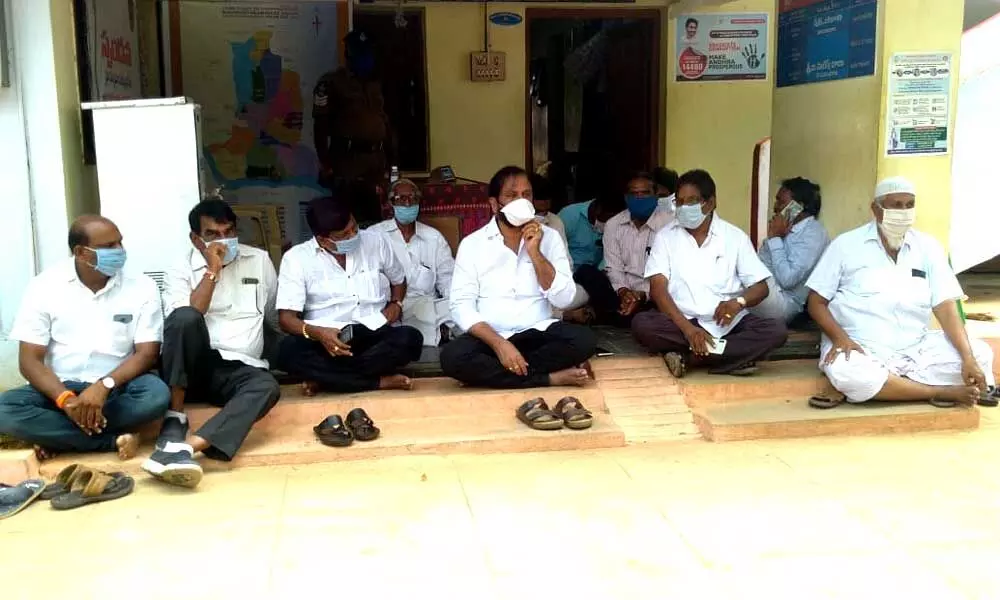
pixel 655 15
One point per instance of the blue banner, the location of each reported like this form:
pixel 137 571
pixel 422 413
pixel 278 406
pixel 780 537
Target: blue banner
pixel 825 40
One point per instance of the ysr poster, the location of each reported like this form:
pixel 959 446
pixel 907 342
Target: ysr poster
pixel 721 47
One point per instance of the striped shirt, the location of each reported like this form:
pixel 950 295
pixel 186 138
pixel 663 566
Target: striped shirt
pixel 626 248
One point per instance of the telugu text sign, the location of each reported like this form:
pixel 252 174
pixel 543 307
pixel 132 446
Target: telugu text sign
pixel 825 40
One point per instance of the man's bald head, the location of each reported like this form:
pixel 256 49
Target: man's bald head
pixel 94 231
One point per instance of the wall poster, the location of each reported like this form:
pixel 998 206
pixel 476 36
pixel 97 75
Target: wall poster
pixel 721 47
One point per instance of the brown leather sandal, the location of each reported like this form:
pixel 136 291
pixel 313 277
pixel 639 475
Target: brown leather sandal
pixel 827 400
pixel 574 414
pixel 535 413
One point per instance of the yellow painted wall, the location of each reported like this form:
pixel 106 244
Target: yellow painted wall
pixel 924 26
pixel 833 133
pixel 715 125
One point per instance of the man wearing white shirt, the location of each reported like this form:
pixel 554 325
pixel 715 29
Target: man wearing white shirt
pixel 508 277
pixel 426 258
pixel 873 294
pixel 219 298
pixel 344 330
pixel 89 336
pixel 704 275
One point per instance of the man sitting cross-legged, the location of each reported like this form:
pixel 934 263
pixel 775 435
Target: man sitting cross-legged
pixel 90 335
pixel 219 298
pixel 344 331
pixel 873 294
pixel 508 276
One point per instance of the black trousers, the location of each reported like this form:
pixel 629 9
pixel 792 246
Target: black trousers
pixel 561 346
pixel 244 393
pixel 376 353
pixel 603 297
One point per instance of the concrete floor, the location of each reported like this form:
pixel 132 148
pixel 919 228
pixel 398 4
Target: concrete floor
pixel 887 517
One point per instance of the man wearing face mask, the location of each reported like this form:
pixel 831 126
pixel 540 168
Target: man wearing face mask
pixel 351 129
pixel 508 277
pixel 666 188
pixel 89 336
pixel 426 257
pixel 344 331
pixel 622 291
pixel 795 241
pixel 219 298
pixel 703 276
pixel 873 294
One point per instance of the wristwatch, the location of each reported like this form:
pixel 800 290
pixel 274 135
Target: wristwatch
pixel 742 302
pixel 108 383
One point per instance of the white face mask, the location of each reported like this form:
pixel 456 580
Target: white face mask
pixel 690 216
pixel 519 212
pixel 895 223
pixel 666 203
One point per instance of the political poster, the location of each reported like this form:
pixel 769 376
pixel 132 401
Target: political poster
pixel 721 47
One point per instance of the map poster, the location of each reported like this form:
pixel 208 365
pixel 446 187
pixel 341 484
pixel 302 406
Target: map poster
pixel 917 104
pixel 113 44
pixel 721 47
pixel 825 40
pixel 252 67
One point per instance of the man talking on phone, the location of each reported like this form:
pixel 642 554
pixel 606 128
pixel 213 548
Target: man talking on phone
pixel 704 275
pixel 343 325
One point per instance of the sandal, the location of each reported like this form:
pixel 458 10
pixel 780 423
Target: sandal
pixel 535 413
pixel 744 370
pixel 362 426
pixel 675 364
pixel 940 403
pixel 15 499
pixel 91 487
pixel 574 415
pixel 827 400
pixel 332 432
pixel 990 398
pixel 63 481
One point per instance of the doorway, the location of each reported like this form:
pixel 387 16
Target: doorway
pixel 400 67
pixel 593 97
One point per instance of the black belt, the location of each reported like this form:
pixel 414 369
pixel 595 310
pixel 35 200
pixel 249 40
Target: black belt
pixel 358 146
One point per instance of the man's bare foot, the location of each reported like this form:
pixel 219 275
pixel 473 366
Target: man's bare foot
pixel 395 382
pixel 576 376
pixel 963 395
pixel 310 388
pixel 44 454
pixel 585 365
pixel 128 445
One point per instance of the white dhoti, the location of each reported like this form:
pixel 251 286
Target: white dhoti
pixel 426 315
pixel 778 305
pixel 933 361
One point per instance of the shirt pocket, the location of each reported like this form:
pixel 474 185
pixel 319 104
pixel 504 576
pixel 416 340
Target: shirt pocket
pixel 423 280
pixel 367 285
pixel 868 283
pixel 119 334
pixel 246 298
pixel 917 290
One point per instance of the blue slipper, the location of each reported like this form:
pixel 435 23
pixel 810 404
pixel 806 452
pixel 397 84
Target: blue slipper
pixel 15 499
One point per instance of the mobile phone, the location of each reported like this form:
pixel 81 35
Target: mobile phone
pixel 719 347
pixel 346 334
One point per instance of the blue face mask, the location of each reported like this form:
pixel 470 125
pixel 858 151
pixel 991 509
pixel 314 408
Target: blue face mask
pixel 406 214
pixel 110 261
pixel 349 245
pixel 232 248
pixel 363 64
pixel 641 207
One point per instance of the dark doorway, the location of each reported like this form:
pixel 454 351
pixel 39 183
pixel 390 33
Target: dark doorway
pixel 594 94
pixel 398 38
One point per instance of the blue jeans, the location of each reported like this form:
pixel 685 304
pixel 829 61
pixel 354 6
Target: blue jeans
pixel 27 415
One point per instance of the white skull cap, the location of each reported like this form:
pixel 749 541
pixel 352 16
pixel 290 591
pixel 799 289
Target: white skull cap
pixel 894 185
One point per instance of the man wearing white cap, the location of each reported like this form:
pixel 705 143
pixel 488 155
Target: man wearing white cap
pixel 873 294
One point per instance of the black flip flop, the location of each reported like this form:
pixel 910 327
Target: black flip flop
pixel 990 398
pixel 362 426
pixel 15 499
pixel 91 487
pixel 332 432
pixel 675 364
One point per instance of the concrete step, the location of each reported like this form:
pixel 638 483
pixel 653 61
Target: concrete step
pixel 436 435
pixel 794 418
pixel 777 379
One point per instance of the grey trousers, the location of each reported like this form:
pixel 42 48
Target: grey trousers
pixel 244 393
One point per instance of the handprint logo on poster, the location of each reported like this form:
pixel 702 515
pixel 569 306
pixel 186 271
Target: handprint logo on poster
pixel 750 56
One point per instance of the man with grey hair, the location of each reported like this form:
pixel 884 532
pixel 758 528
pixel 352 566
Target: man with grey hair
pixel 873 293
pixel 426 257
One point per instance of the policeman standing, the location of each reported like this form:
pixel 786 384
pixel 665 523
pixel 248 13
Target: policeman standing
pixel 351 128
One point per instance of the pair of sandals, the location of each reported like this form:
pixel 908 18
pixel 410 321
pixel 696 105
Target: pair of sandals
pixel 677 365
pixel 334 431
pixel 77 486
pixel 569 412
pixel 827 400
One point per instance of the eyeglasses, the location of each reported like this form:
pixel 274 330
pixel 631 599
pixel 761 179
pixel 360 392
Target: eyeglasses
pixel 406 199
